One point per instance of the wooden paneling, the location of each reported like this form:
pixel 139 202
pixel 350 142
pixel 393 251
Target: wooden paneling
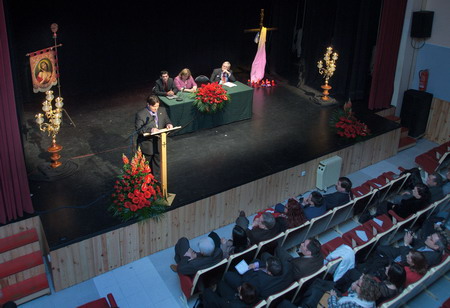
pixel 386 112
pixel 438 127
pixel 89 258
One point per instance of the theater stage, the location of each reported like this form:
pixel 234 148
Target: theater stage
pixel 213 172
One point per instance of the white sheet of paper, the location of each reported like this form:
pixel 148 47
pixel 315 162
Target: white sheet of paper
pixel 379 222
pixel 229 84
pixel 242 267
pixel 362 235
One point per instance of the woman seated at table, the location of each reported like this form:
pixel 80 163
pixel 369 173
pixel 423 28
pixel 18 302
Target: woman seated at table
pixel 185 82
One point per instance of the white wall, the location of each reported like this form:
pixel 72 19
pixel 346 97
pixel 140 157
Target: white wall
pixel 406 71
pixel 440 34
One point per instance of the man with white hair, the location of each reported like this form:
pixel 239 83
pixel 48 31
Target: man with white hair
pixel 189 261
pixel 223 74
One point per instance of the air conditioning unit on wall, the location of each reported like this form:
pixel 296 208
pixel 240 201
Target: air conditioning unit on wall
pixel 328 172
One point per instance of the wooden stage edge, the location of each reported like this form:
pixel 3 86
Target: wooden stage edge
pixel 86 259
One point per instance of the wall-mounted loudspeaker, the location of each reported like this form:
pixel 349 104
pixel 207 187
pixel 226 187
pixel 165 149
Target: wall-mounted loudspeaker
pixel 422 23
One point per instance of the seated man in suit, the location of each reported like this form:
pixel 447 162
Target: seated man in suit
pixel 263 228
pixel 434 182
pixel 223 74
pixel 310 260
pixel 432 247
pixel 225 296
pixel 313 205
pixel 268 276
pixel 419 200
pixel 165 86
pixel 342 195
pixel 446 182
pixel 190 262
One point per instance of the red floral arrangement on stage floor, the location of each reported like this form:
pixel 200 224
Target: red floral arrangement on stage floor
pixel 347 125
pixel 137 194
pixel 211 98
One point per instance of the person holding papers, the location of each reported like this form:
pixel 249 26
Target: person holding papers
pixel 184 81
pixel 268 275
pixel 165 86
pixel 223 74
pixel 150 120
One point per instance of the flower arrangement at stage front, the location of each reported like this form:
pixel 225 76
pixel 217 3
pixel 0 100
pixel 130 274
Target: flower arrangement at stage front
pixel 137 194
pixel 211 98
pixel 347 125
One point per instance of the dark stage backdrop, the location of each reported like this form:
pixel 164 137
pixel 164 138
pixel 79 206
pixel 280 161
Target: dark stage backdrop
pixel 350 27
pixel 109 45
pixel 112 46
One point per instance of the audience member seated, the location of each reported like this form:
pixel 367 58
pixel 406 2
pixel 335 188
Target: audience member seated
pixel 342 195
pixel 363 293
pixel 238 243
pixel 420 199
pixel 292 215
pixel 185 82
pixel 287 216
pixel 446 183
pixel 310 260
pixel 165 86
pixel 390 283
pixel 416 268
pixel 268 276
pixel 432 248
pixel 313 205
pixel 189 262
pixel 263 228
pixel 225 296
pixel 434 183
pixel 390 279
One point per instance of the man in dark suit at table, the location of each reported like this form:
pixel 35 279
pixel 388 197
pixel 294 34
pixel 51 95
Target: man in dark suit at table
pixel 165 86
pixel 150 120
pixel 223 74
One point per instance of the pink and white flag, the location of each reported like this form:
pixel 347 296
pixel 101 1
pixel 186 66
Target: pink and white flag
pixel 259 63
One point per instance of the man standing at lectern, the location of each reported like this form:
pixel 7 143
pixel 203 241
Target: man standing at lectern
pixel 150 120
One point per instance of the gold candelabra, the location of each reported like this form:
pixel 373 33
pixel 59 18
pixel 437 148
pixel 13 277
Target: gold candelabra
pixel 327 70
pixel 54 117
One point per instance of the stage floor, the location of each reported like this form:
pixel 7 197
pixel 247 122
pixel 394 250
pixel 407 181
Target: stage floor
pixel 287 129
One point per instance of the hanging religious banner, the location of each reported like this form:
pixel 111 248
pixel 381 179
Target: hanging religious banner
pixel 44 69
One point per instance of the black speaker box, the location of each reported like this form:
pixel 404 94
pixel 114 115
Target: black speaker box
pixel 422 23
pixel 415 110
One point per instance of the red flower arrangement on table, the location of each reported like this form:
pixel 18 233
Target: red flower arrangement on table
pixel 211 98
pixel 347 125
pixel 137 194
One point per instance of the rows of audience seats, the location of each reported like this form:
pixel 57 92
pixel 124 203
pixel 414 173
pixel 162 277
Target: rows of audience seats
pixel 383 229
pixel 433 159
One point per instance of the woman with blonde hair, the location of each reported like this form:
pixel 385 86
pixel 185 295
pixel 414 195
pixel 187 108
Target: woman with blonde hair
pixel 185 82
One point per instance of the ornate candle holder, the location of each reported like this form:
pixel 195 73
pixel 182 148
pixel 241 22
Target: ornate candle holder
pixel 54 117
pixel 327 70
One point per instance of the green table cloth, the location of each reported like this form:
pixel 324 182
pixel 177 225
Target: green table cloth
pixel 182 113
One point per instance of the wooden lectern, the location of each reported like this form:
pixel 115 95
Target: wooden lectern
pixel 162 135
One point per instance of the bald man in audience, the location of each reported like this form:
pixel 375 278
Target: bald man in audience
pixel 189 262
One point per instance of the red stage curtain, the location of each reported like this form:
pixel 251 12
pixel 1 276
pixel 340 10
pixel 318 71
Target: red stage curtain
pixel 388 42
pixel 14 190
